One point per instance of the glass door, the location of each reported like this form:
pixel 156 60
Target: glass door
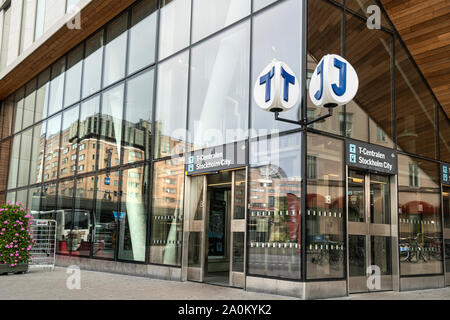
pixel 238 228
pixel 194 251
pixel 369 232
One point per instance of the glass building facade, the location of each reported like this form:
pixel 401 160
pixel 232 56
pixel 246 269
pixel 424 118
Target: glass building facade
pixel 98 140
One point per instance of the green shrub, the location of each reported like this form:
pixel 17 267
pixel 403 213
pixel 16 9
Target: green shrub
pixel 16 239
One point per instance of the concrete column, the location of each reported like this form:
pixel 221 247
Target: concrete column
pixel 54 10
pixel 14 31
pixel 28 25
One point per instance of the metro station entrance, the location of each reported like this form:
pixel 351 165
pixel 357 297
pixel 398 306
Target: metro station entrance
pixel 370 242
pixel 214 228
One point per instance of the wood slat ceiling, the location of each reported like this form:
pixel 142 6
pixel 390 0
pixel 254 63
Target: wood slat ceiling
pixel 93 16
pixel 424 26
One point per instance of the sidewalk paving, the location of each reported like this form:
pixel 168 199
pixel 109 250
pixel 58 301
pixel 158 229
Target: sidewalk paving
pixel 38 284
pixel 43 285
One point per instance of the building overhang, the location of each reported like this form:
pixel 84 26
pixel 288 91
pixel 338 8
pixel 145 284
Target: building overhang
pixel 424 27
pixel 57 41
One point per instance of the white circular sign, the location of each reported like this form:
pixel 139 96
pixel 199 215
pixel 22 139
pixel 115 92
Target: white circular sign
pixel 334 82
pixel 277 88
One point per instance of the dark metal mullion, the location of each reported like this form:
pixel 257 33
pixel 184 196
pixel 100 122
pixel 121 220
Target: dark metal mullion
pixel 344 172
pixel 247 151
pixel 187 114
pixel 152 141
pixel 303 143
pixel 394 94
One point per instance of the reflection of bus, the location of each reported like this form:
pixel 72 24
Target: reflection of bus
pixel 81 226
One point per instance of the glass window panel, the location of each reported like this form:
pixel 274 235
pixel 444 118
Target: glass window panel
pixel 447 254
pixel 356 197
pixel 239 194
pixel 209 16
pixel 381 254
pixel 25 158
pixel 11 197
pixel 29 103
pixel 18 109
pixel 325 207
pixel 111 127
pixel 357 255
pixel 446 203
pixel 89 131
pixel 138 118
pixel 52 140
pixel 238 251
pixel 34 197
pixel 194 251
pixel 274 207
pixel 83 216
pixel 167 212
pixel 69 136
pixel 374 60
pixel 66 240
pixel 42 95
pixel 416 118
pixel 269 42
pixel 14 162
pixel 174 28
pixel 106 211
pixel 380 201
pixel 444 133
pixel 48 201
pixel 324 19
pixel 115 50
pixel 37 154
pixel 57 86
pixel 142 35
pixel 259 4
pixel 92 74
pixel 218 106
pixel 134 208
pixel 171 106
pixel 73 76
pixel 21 198
pixel 419 216
pixel 40 16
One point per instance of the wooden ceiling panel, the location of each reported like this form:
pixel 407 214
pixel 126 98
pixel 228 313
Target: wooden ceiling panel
pixel 425 28
pixel 93 16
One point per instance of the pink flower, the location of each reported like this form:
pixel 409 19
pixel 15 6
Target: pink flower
pixel 6 222
pixel 3 229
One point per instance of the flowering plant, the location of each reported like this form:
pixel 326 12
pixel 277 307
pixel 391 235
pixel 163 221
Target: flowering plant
pixel 16 239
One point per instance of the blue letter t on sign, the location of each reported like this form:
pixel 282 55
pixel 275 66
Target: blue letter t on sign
pixel 266 79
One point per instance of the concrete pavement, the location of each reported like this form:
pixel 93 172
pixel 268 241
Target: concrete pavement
pixel 43 285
